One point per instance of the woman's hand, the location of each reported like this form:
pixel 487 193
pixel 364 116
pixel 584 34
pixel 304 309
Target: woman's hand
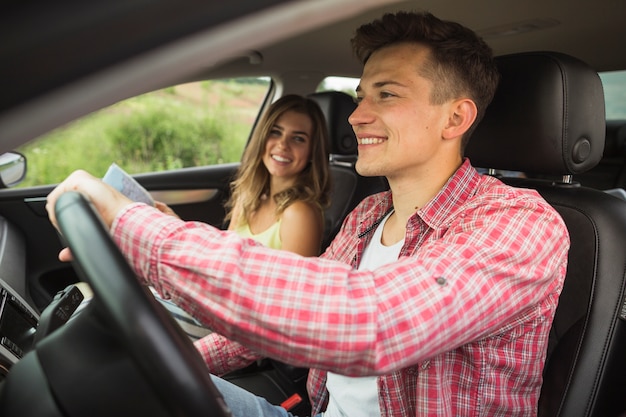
pixel 164 208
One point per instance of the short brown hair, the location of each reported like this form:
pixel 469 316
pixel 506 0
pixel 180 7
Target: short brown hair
pixel 461 62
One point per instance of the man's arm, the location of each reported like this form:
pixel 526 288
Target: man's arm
pixel 223 355
pixel 320 313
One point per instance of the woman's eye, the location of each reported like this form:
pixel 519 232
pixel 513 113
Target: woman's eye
pixel 299 139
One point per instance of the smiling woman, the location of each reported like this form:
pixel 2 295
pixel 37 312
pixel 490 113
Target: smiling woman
pixel 283 182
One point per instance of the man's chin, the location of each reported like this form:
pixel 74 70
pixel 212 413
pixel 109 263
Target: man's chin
pixel 366 170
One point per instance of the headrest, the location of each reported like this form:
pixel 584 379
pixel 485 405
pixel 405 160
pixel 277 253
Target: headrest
pixel 547 117
pixel 337 107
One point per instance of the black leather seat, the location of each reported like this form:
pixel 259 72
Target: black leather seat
pixel 547 119
pixel 610 173
pixel 348 187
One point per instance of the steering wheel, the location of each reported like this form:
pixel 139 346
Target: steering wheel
pixel 165 355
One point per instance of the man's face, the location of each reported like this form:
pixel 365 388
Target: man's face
pixel 397 128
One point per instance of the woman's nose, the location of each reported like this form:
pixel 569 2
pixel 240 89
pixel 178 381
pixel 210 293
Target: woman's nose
pixel 283 143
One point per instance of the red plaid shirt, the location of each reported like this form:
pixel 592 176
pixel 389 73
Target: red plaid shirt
pixel 457 327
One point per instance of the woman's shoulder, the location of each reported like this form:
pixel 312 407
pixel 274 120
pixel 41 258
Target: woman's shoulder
pixel 302 227
pixel 303 205
pixel 299 210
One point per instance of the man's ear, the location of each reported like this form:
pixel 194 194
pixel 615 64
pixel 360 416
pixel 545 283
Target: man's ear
pixel 462 114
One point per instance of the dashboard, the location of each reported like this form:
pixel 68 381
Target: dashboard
pixel 18 319
pixel 18 325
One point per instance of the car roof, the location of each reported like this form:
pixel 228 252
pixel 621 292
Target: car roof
pixel 64 60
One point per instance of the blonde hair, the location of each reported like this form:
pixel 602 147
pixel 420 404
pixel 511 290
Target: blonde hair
pixel 252 180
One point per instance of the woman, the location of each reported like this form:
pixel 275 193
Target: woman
pixel 281 188
pixel 277 198
pixel 283 183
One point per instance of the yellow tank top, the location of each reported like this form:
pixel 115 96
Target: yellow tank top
pixel 270 237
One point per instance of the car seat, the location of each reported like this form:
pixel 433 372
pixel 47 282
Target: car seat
pixel 547 119
pixel 348 187
pixel 610 173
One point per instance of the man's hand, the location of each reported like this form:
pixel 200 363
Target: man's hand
pixel 106 199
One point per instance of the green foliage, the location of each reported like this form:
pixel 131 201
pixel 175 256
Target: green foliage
pixel 155 137
pixel 190 125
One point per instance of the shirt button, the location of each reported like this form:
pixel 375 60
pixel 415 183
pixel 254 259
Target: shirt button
pixel 425 365
pixel 441 281
pixel 411 371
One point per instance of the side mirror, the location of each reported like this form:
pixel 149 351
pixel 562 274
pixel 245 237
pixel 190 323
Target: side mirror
pixel 12 169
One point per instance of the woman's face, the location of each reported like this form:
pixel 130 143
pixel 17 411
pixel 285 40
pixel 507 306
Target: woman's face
pixel 288 146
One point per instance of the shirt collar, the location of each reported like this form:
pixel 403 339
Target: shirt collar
pixel 461 186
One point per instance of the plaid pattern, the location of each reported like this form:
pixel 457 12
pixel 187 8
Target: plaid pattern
pixel 457 327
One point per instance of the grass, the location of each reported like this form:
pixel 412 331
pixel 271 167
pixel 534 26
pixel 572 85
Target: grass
pixel 183 126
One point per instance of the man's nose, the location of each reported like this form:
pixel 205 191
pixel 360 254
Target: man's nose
pixel 362 114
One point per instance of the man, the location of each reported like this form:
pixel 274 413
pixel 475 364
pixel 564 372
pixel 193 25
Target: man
pixel 456 324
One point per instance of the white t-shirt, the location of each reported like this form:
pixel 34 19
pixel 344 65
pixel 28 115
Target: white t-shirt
pixel 358 396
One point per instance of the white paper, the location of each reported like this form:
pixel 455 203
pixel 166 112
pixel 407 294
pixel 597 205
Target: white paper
pixel 127 185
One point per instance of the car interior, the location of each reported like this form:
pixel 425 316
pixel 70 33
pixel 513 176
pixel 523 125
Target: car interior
pixel 556 106
pixel 609 174
pixel 546 129
pixel 349 188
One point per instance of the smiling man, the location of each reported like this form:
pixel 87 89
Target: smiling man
pixel 435 298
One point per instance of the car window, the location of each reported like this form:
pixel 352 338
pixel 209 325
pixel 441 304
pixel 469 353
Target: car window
pixel 614 84
pixel 346 84
pixel 194 124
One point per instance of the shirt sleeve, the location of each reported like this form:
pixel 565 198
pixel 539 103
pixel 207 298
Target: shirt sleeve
pixel 488 265
pixel 222 355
